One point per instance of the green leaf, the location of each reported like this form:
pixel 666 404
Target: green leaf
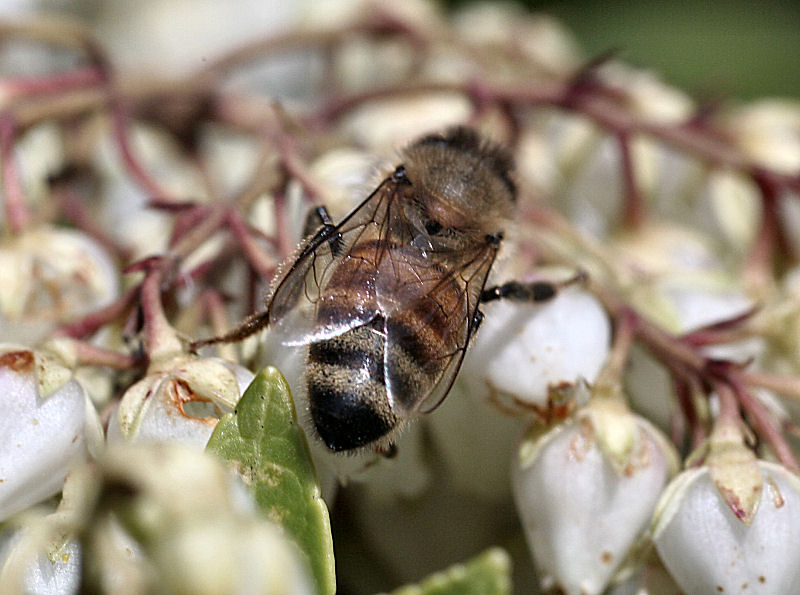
pixel 486 574
pixel 269 450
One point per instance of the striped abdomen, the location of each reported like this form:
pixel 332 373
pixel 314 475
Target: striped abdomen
pixel 354 397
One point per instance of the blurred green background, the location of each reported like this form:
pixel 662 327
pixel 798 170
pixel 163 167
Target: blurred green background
pixel 715 50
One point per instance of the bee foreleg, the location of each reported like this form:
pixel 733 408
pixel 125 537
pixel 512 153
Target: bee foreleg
pixel 476 321
pixel 537 291
pixel 320 217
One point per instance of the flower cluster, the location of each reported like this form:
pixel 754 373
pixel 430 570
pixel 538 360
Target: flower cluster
pixel 636 432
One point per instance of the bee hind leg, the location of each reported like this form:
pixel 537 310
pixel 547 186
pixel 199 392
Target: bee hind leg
pixel 537 291
pixel 251 325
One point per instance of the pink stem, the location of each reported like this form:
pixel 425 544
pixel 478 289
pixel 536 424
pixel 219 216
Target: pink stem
pixel 258 258
pixel 758 267
pixel 634 212
pixel 91 323
pixel 16 211
pixel 75 210
pixel 764 424
pixel 92 355
pixel 160 337
pixel 120 120
pixel 55 83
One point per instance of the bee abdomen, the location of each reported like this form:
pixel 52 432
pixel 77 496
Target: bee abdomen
pixel 346 389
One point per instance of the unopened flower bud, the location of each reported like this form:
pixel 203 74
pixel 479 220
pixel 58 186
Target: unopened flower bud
pixel 767 131
pixel 51 276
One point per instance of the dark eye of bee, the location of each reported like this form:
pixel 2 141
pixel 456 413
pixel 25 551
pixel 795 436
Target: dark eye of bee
pixel 399 176
pixel 433 227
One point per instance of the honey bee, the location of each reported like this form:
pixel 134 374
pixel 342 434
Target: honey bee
pixel 387 300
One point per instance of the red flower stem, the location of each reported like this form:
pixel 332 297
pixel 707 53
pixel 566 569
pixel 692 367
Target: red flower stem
pixel 757 270
pixel 160 338
pixel 634 209
pixel 786 386
pixel 16 211
pixel 92 355
pixel 186 220
pixel 91 323
pixel 120 123
pixel 728 405
pixel 687 388
pixel 55 83
pixel 626 322
pixel 215 308
pixel 665 346
pixel 296 168
pixel 285 244
pixel 75 211
pixel 256 257
pixel 198 235
pixel 763 423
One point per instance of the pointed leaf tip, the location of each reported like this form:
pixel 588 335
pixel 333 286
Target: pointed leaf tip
pixel 268 449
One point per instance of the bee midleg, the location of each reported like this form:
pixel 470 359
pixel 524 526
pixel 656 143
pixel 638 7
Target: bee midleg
pixel 536 291
pixel 318 228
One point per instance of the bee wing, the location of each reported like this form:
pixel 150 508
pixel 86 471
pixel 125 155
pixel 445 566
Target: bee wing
pixel 299 300
pixel 429 330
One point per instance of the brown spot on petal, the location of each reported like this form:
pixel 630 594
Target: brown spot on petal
pixel 777 497
pixel 606 557
pixel 642 458
pixel 181 394
pixel 762 579
pixel 582 442
pixel 35 422
pixel 19 361
pixel 720 589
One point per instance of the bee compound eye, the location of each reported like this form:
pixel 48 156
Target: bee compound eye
pixel 399 174
pixel 433 227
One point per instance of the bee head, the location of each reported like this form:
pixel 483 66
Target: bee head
pixel 460 181
pixel 485 155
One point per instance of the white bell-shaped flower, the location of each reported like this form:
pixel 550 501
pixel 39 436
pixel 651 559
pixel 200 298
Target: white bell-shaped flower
pixel 180 399
pixel 586 491
pixel 529 351
pixel 48 424
pixel 708 549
